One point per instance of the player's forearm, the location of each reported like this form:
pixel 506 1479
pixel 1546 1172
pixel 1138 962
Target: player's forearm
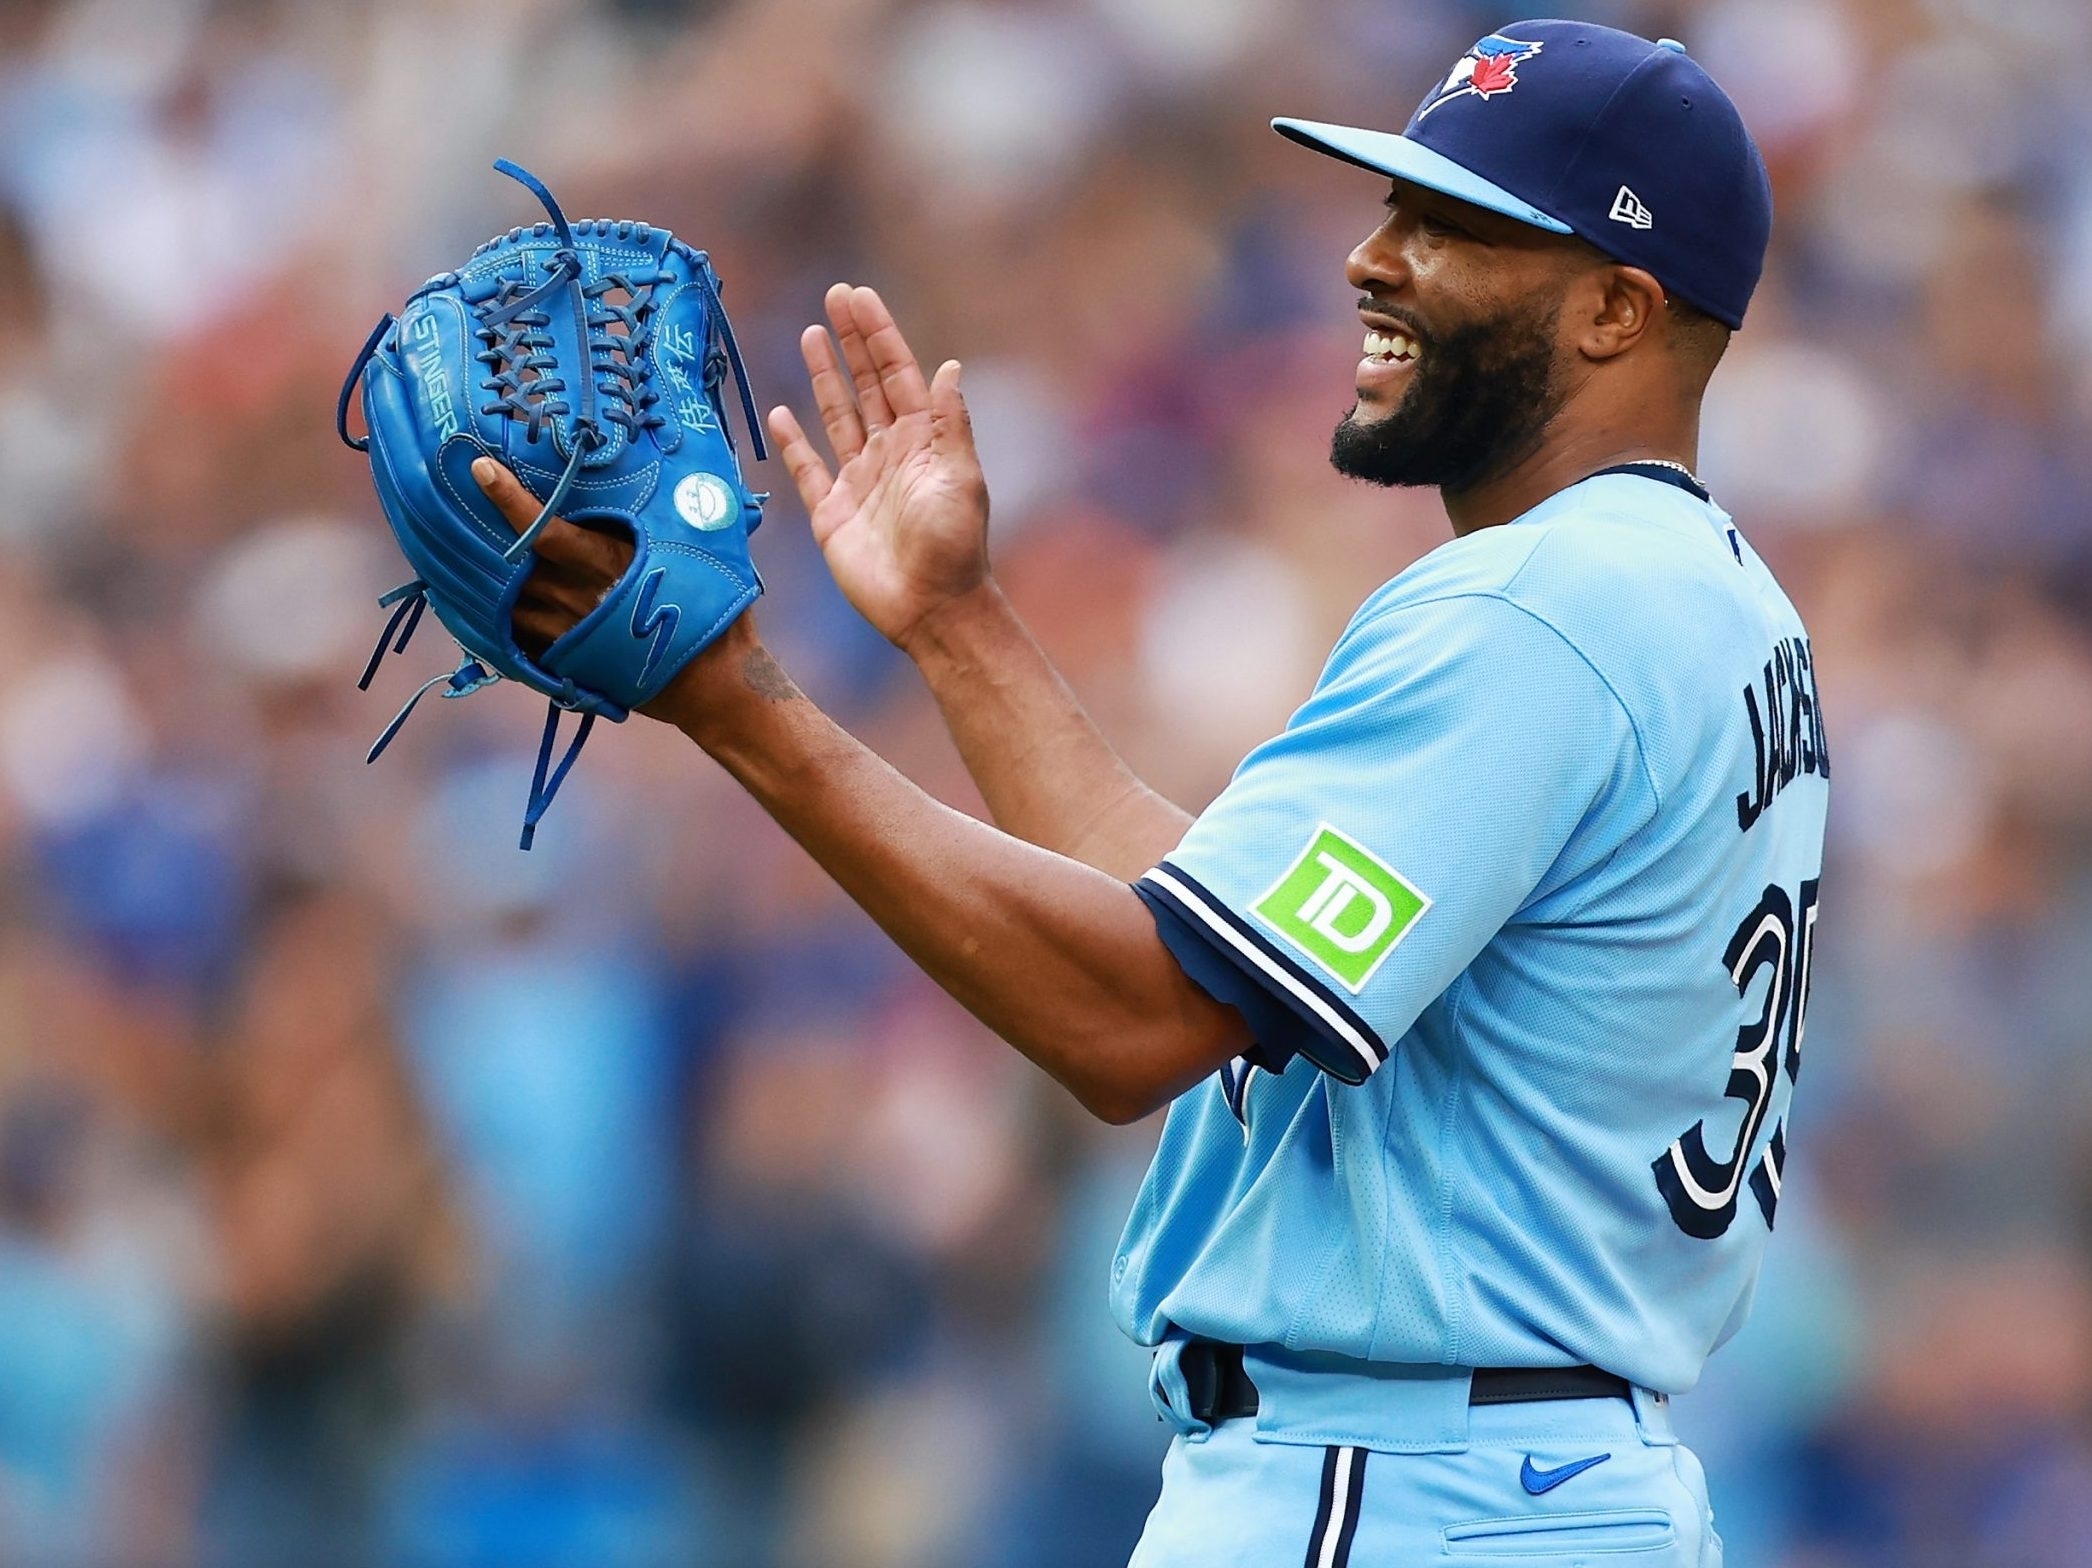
pixel 1045 769
pixel 1060 959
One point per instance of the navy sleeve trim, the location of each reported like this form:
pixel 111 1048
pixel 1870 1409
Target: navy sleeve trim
pixel 1277 1030
pixel 1336 1039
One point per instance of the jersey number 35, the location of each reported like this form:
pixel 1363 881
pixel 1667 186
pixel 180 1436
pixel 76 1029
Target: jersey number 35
pixel 1701 1188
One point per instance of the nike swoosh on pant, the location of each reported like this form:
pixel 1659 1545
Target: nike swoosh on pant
pixel 1537 1481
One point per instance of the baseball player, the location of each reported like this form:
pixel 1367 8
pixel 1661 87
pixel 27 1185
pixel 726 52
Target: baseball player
pixel 1477 997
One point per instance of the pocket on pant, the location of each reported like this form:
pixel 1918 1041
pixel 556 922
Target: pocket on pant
pixel 1612 1530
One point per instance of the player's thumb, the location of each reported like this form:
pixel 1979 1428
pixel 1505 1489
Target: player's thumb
pixel 951 426
pixel 506 491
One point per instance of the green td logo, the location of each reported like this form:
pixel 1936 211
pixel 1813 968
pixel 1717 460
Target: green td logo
pixel 1342 906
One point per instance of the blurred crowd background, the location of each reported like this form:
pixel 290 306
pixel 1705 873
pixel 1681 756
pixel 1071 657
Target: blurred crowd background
pixel 371 1193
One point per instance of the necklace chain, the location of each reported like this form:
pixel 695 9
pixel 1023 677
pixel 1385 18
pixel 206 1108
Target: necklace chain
pixel 1664 462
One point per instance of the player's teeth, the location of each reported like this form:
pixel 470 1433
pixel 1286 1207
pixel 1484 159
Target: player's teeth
pixel 1389 345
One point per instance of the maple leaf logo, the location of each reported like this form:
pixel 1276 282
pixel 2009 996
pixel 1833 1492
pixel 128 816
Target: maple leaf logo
pixel 1486 71
pixel 1495 73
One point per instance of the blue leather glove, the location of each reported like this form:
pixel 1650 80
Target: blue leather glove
pixel 590 359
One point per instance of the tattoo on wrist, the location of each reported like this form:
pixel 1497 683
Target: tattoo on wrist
pixel 764 676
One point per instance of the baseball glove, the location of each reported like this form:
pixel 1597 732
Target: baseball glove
pixel 589 358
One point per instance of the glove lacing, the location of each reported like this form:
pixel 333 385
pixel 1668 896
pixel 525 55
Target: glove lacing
pixel 618 358
pixel 517 321
pixel 409 601
pixel 518 352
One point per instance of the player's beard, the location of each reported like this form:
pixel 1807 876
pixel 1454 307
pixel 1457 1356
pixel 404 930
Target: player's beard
pixel 1479 402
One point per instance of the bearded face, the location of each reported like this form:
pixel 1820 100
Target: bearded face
pixel 1460 406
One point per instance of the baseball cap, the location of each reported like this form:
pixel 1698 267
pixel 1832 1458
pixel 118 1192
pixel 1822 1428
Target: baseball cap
pixel 1587 130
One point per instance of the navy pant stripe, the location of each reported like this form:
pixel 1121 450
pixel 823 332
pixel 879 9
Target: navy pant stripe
pixel 1323 1509
pixel 1354 1505
pixel 1337 1513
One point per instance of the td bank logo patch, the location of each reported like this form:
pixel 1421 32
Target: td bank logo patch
pixel 1342 906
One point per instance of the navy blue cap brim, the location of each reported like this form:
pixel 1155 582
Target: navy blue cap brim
pixel 1402 159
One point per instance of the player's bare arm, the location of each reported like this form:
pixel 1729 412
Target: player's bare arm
pixel 1058 957
pixel 903 520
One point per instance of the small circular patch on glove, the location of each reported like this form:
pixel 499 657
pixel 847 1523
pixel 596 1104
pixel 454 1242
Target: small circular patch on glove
pixel 704 501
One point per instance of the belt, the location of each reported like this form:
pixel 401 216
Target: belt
pixel 1221 1390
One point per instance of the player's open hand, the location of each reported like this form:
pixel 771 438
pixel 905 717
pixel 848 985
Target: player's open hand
pixel 903 519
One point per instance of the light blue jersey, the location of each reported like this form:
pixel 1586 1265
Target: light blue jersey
pixel 1520 908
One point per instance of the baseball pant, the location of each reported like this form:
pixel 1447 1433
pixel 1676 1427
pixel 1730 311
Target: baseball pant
pixel 1545 1484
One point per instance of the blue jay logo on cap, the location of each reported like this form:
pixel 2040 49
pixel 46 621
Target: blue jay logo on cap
pixel 1488 70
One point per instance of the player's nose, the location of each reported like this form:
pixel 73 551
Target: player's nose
pixel 1376 264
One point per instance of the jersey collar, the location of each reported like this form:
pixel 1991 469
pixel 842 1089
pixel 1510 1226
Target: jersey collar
pixel 1662 473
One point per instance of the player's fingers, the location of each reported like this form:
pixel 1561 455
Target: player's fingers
pixel 584 550
pixel 558 594
pixel 832 394
pixel 506 491
pixel 544 611
pixel 900 377
pixel 539 623
pixel 589 564
pixel 563 596
pixel 519 506
pixel 801 461
pixel 533 634
pixel 864 375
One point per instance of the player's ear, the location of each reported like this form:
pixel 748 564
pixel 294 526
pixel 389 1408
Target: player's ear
pixel 1620 305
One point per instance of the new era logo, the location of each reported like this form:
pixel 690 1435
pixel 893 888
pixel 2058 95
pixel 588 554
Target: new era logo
pixel 1628 209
